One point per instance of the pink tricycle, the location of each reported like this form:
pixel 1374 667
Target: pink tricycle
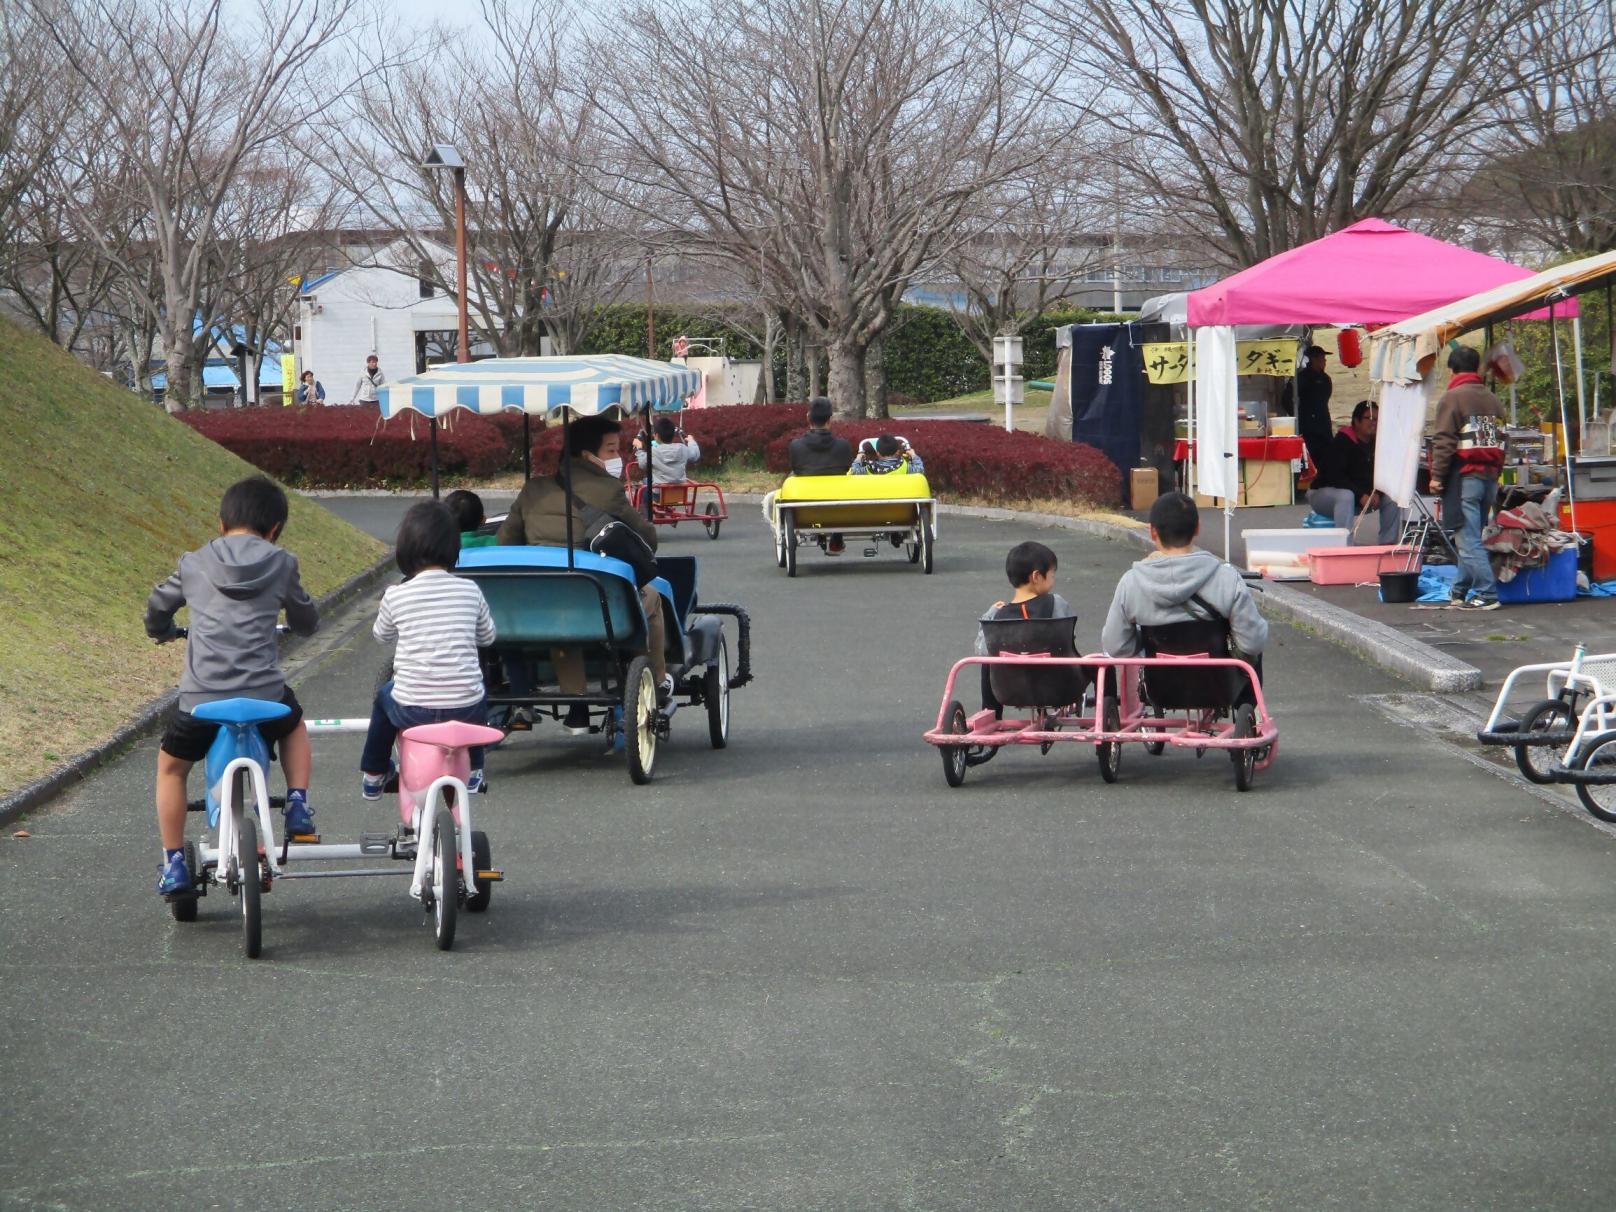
pixel 1186 692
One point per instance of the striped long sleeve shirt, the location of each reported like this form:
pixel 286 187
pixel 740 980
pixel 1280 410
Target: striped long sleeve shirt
pixel 439 621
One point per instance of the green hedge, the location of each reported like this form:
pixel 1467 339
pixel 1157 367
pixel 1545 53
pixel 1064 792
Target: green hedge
pixel 927 356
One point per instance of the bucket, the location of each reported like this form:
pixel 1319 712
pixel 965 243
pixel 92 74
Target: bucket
pixel 1399 586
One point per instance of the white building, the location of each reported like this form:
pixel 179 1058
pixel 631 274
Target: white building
pixel 387 308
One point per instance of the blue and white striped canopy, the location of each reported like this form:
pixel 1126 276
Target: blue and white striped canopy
pixel 588 386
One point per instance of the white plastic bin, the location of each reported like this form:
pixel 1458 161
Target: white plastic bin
pixel 1295 541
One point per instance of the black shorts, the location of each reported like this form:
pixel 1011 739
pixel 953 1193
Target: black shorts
pixel 189 738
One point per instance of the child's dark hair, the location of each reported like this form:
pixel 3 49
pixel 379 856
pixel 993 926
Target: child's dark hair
pixel 1027 558
pixel 886 446
pixel 664 429
pixel 467 508
pixel 428 537
pixel 256 504
pixel 1175 519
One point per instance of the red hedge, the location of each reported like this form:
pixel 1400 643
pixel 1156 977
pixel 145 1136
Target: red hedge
pixel 352 447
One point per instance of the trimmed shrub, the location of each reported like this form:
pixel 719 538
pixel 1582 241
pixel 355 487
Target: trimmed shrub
pixel 353 447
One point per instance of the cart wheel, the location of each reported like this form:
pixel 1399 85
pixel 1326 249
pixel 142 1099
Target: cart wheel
pixel 1156 748
pixel 639 719
pixel 715 692
pixel 1245 760
pixel 1534 760
pixel 482 858
pixel 954 755
pixel 442 891
pixel 779 546
pixel 250 885
pixel 790 552
pixel 184 908
pixel 925 543
pixel 711 521
pixel 911 548
pixel 1598 754
pixel 1110 752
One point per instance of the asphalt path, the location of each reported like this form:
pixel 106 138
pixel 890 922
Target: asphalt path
pixel 803 973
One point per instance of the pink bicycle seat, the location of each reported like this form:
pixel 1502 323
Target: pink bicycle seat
pixel 453 734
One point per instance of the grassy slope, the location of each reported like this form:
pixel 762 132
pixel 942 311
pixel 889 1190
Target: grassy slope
pixel 101 493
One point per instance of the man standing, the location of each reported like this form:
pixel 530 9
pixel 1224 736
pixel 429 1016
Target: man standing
pixel 365 389
pixel 1309 394
pixel 1467 449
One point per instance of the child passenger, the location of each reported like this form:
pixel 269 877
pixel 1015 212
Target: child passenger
pixel 235 587
pixel 467 508
pixel 438 621
pixel 1030 568
pixel 1176 583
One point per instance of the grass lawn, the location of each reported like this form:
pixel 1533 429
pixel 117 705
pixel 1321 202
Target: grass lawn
pixel 1029 416
pixel 103 493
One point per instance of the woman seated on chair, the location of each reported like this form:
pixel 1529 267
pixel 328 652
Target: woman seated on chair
pixel 1346 482
pixel 672 452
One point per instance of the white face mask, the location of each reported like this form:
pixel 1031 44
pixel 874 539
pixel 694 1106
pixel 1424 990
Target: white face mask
pixel 614 468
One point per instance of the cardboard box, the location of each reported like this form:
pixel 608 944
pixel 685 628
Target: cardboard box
pixel 1144 486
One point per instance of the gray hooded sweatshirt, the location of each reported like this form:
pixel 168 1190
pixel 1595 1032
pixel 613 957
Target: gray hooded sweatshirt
pixel 235 588
pixel 1157 590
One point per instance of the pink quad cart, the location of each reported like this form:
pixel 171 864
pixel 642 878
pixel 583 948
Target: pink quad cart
pixel 1186 693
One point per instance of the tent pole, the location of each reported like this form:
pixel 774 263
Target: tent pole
pixel 1582 399
pixel 1189 463
pixel 566 473
pixel 434 458
pixel 1559 379
pixel 650 460
pixel 527 446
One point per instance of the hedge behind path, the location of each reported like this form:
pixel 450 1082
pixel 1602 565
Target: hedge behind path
pixel 351 447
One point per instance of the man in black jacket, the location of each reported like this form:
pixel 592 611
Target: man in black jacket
pixel 821 453
pixel 1346 479
pixel 1308 396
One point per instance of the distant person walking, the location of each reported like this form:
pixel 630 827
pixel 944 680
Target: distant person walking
pixel 312 391
pixel 365 390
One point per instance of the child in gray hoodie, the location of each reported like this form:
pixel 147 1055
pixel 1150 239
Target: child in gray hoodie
pixel 1163 587
pixel 235 588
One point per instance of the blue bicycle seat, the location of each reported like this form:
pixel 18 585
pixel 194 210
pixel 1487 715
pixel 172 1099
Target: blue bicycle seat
pixel 240 711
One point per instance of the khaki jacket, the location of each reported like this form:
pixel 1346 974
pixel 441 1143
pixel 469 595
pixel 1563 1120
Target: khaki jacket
pixel 538 517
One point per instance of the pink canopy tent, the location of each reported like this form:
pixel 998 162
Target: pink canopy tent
pixel 1370 273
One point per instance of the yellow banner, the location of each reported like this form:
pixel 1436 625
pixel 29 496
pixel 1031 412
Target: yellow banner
pixel 1169 361
pixel 288 378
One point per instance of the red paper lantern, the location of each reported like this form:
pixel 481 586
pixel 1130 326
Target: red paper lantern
pixel 1348 348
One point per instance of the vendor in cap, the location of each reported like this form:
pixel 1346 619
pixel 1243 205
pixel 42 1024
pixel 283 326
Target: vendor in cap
pixel 1309 392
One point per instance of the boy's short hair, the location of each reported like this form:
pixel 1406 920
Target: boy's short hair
pixel 820 411
pixel 256 504
pixel 428 537
pixel 1464 360
pixel 886 446
pixel 664 429
pixel 1027 558
pixel 586 434
pixel 467 508
pixel 1175 519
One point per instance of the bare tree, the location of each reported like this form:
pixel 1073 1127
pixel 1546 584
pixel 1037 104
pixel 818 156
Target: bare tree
pixel 1552 173
pixel 1256 125
pixel 837 143
pixel 547 249
pixel 187 97
pixel 28 124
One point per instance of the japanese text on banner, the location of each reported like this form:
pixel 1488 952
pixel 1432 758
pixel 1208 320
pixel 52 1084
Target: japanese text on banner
pixel 1168 361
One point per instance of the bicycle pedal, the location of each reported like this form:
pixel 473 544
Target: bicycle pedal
pixel 375 843
pixel 305 839
pixel 871 552
pixel 491 877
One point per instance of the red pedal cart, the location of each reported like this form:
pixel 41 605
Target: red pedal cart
pixel 687 501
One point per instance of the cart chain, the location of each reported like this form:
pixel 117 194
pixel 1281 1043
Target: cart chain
pixel 743 626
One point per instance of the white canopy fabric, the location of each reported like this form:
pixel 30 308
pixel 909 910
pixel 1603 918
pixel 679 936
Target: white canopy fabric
pixel 586 386
pixel 1217 469
pixel 1398 351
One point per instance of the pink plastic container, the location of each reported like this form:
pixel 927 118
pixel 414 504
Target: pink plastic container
pixel 1356 565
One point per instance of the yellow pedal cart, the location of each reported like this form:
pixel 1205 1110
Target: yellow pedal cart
pixel 897 507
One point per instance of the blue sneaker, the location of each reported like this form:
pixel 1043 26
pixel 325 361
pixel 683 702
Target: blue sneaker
pixel 371 786
pixel 476 783
pixel 174 878
pixel 299 816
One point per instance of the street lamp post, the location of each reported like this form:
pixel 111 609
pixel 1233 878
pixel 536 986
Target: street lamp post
pixel 445 156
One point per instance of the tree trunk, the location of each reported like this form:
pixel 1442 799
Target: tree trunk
pixel 847 379
pixel 796 361
pixel 177 367
pixel 875 379
pixel 815 376
pixel 771 342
